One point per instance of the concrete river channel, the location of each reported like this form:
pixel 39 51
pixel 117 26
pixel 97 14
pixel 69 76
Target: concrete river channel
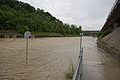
pixel 50 58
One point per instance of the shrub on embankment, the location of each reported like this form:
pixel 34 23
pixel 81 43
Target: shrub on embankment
pixel 13 34
pixel 70 72
pixel 9 34
pixel 2 35
pixel 43 34
pixel 103 34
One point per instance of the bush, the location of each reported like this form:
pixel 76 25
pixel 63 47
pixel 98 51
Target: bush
pixel 2 36
pixel 99 34
pixel 69 74
pixel 103 34
pixel 44 34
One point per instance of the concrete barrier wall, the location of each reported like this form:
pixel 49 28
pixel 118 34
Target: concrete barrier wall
pixel 109 51
pixel 111 44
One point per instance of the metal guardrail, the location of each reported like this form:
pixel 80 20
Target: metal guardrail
pixel 79 68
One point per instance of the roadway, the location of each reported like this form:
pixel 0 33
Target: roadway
pixel 96 64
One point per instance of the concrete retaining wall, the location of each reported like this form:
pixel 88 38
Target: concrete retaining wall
pixel 115 54
pixel 111 44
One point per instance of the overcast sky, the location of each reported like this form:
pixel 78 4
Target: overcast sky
pixel 90 14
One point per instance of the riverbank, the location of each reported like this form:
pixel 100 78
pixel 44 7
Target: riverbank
pixel 14 34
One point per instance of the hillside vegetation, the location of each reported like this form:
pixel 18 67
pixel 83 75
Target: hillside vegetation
pixel 20 17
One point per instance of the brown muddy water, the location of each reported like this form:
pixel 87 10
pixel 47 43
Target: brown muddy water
pixel 49 58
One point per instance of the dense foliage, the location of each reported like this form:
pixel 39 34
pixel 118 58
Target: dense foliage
pixel 19 16
pixel 103 34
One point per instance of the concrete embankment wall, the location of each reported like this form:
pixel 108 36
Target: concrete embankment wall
pixel 111 44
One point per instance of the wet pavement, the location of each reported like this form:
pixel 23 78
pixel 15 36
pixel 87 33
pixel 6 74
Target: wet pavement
pixel 96 64
pixel 49 58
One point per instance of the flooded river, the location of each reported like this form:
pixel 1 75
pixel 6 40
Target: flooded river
pixel 49 58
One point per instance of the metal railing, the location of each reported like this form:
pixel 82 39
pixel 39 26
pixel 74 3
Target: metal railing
pixel 79 68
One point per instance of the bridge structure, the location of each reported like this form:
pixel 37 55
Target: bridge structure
pixel 92 33
pixel 113 19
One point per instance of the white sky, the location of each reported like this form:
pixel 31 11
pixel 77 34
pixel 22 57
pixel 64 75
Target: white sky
pixel 90 14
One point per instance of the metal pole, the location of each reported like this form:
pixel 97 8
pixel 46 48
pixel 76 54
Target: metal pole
pixel 80 45
pixel 26 49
